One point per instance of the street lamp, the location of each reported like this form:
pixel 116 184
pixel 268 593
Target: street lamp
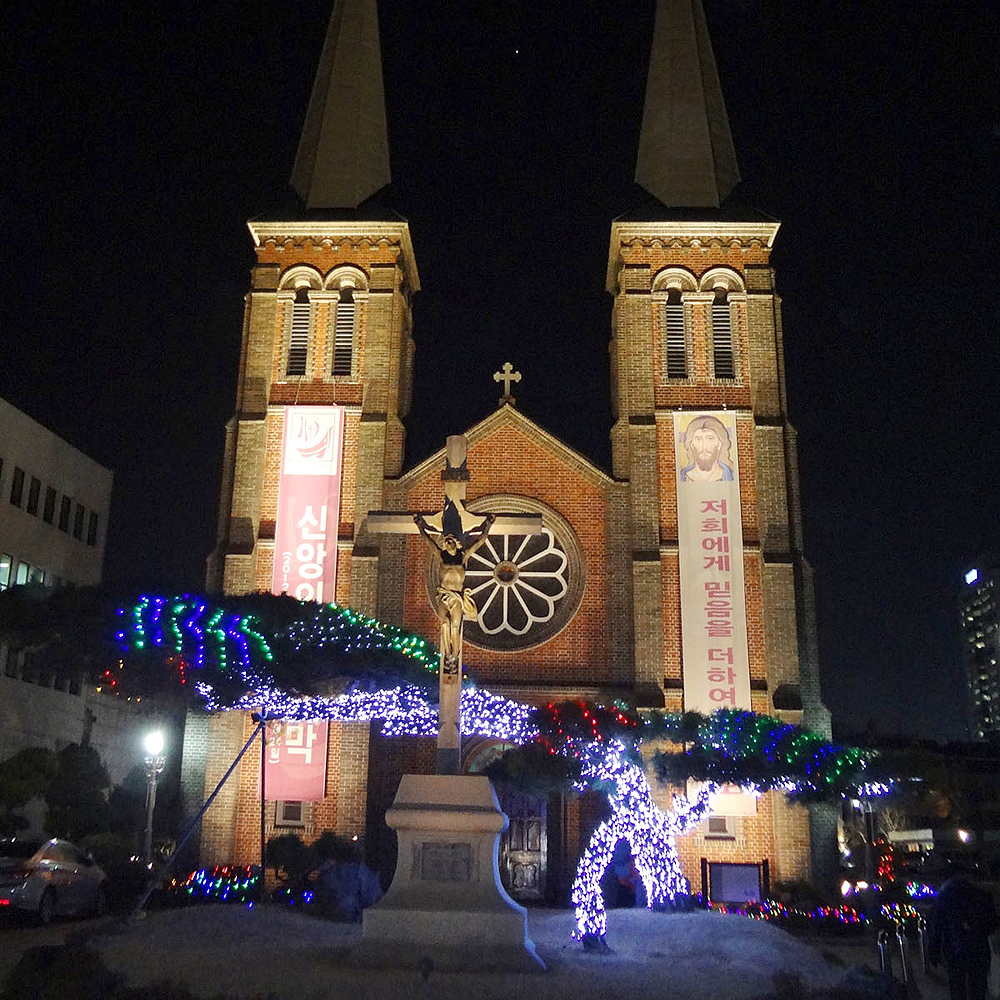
pixel 154 768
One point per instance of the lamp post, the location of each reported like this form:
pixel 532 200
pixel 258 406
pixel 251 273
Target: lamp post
pixel 154 768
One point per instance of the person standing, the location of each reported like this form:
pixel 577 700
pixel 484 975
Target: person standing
pixel 961 922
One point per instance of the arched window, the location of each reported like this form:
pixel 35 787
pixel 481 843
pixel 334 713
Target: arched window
pixel 672 291
pixel 298 341
pixel 299 291
pixel 675 338
pixel 722 336
pixel 346 290
pixel 343 333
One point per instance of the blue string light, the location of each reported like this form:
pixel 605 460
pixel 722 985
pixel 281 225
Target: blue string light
pixel 605 741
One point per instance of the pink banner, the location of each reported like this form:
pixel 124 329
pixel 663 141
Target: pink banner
pixel 710 546
pixel 295 764
pixel 305 537
pixel 714 642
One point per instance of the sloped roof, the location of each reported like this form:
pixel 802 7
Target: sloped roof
pixel 343 155
pixel 686 156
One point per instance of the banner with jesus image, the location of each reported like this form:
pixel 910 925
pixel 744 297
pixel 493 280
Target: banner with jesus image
pixel 714 648
pixel 710 544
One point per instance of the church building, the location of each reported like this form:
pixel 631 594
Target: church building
pixel 674 580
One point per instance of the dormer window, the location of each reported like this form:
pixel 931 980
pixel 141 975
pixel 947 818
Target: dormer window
pixel 298 342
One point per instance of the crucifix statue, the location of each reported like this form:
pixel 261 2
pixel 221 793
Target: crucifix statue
pixel 453 601
pixel 452 534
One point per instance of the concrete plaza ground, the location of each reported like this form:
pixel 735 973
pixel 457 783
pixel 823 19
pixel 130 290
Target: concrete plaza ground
pixel 281 955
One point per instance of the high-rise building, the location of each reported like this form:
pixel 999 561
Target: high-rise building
pixel 675 580
pixel 980 611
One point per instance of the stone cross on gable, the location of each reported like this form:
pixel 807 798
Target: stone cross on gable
pixel 453 534
pixel 506 375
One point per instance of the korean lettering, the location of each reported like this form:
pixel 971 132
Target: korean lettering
pixel 718 655
pixel 309 520
pixel 719 675
pixel 719 542
pixel 720 524
pixel 272 740
pixel 299 739
pixel 311 554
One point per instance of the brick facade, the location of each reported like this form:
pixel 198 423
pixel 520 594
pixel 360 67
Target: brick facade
pixel 624 637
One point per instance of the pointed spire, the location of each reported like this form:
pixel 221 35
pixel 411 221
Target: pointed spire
pixel 343 155
pixel 686 156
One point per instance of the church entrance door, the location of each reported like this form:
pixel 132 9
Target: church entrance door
pixel 523 846
pixel 522 854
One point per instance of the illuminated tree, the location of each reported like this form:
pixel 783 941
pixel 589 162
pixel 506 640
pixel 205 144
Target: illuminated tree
pixel 297 660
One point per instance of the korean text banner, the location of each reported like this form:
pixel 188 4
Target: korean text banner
pixel 295 761
pixel 305 536
pixel 710 544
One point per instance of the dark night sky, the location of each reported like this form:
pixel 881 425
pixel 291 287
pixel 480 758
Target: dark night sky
pixel 140 138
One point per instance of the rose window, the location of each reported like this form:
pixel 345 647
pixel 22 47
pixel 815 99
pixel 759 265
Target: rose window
pixel 526 587
pixel 517 582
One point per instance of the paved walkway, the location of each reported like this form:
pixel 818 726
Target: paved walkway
pixel 14 940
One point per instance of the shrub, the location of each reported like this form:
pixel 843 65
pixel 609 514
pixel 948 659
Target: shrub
pixel 289 853
pixel 330 846
pixel 23 777
pixel 222 884
pixel 126 876
pixel 799 892
pixel 75 796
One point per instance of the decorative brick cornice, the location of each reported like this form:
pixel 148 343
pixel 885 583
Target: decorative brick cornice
pixel 331 234
pixel 685 235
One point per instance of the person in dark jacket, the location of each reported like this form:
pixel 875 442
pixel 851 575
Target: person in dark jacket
pixel 963 918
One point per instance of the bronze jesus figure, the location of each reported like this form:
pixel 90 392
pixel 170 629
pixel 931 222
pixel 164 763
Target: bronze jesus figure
pixel 453 600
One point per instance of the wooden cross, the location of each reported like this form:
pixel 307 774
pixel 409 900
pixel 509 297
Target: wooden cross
pixel 506 375
pixel 453 533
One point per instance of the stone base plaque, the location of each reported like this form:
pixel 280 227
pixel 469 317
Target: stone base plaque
pixel 446 907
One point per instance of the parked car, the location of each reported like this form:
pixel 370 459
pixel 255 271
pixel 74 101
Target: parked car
pixel 50 878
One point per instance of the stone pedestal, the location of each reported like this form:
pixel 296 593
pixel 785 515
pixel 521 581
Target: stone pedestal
pixel 446 907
